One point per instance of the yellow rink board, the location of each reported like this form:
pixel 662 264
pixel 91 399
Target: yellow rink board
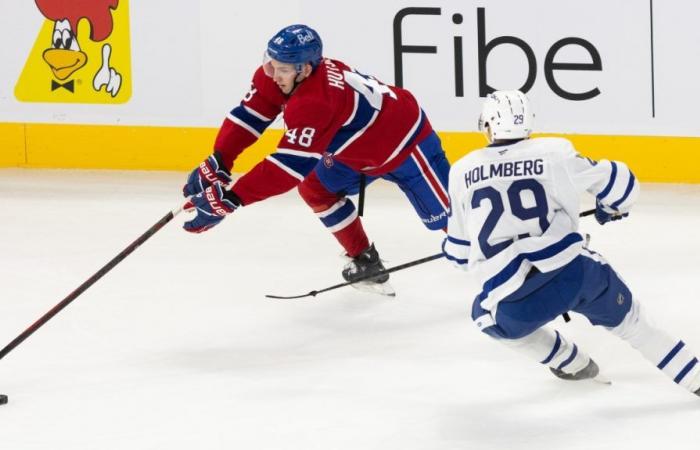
pixel 652 158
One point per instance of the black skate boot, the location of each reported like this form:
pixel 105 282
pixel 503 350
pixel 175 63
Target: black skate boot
pixel 366 264
pixel 591 371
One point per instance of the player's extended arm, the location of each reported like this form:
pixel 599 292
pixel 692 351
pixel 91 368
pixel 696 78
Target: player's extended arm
pixel 611 182
pixel 306 138
pixel 276 174
pixel 239 130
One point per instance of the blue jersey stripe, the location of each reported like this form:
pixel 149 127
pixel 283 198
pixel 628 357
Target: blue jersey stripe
pixel 630 185
pixel 557 344
pixel 452 258
pixel 608 188
pixel 671 354
pixel 454 240
pixel 363 115
pixel 299 164
pixel 457 260
pixel 512 267
pixel 569 359
pixel 685 370
pixel 258 125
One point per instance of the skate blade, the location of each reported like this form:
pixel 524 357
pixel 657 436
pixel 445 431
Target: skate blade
pixel 385 289
pixel 602 379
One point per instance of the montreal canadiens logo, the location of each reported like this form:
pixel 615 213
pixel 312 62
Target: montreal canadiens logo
pixel 328 160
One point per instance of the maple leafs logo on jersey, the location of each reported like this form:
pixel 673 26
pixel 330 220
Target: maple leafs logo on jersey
pixel 590 161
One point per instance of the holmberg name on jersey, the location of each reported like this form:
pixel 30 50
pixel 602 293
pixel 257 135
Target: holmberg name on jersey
pixel 522 168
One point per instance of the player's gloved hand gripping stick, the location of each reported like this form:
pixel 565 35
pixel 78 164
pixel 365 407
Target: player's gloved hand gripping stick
pixel 207 187
pixel 389 270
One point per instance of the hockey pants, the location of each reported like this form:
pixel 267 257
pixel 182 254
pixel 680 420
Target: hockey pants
pixel 549 347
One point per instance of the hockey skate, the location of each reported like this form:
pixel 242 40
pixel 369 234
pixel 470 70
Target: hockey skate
pixel 590 372
pixel 367 264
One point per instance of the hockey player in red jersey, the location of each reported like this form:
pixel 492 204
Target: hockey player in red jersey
pixel 339 125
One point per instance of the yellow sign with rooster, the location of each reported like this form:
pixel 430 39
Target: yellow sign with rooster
pixel 82 54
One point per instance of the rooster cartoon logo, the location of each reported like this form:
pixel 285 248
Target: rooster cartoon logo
pixel 82 54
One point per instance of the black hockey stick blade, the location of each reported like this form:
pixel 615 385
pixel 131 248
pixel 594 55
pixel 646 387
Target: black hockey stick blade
pixel 90 281
pixel 365 278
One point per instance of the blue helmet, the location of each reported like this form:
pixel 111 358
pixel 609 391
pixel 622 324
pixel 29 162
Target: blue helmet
pixel 296 44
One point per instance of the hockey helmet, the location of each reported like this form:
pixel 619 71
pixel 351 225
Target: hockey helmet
pixel 507 114
pixel 295 44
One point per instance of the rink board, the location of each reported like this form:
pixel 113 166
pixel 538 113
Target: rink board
pixel 653 158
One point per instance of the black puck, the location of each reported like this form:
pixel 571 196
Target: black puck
pixel 3 399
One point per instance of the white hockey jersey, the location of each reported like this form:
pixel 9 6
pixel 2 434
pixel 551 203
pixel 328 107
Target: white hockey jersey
pixel 516 206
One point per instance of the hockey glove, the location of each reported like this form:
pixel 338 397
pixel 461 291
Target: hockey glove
pixel 212 206
pixel 604 214
pixel 210 171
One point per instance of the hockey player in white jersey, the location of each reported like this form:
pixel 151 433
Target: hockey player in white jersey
pixel 514 224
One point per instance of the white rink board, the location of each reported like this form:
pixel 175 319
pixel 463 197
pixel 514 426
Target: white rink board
pixel 192 60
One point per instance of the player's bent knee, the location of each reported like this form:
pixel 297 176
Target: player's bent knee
pixel 315 194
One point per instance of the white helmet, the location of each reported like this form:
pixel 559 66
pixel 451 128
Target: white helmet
pixel 507 114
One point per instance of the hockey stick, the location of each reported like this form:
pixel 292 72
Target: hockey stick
pixel 365 278
pixel 390 270
pixel 90 281
pixel 361 193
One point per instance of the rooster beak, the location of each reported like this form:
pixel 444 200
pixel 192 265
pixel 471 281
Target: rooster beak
pixel 64 62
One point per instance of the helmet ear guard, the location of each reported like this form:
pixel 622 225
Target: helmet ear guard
pixel 506 115
pixel 295 44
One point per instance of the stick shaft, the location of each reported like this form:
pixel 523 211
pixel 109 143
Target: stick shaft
pixel 89 282
pixel 361 198
pixel 390 270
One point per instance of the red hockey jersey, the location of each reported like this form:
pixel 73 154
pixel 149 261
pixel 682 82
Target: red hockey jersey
pixel 361 122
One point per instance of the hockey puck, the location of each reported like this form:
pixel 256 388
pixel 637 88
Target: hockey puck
pixel 3 399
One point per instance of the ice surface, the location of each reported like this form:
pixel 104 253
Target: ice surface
pixel 177 348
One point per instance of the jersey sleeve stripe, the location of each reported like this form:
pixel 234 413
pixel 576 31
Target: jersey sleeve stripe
pixel 288 170
pixel 301 165
pixel 299 153
pixel 454 240
pixel 454 253
pixel 613 176
pixel 254 122
pixel 244 125
pixel 459 261
pixel 630 185
pixel 253 112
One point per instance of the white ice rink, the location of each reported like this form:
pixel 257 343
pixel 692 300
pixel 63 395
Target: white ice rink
pixel 177 347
